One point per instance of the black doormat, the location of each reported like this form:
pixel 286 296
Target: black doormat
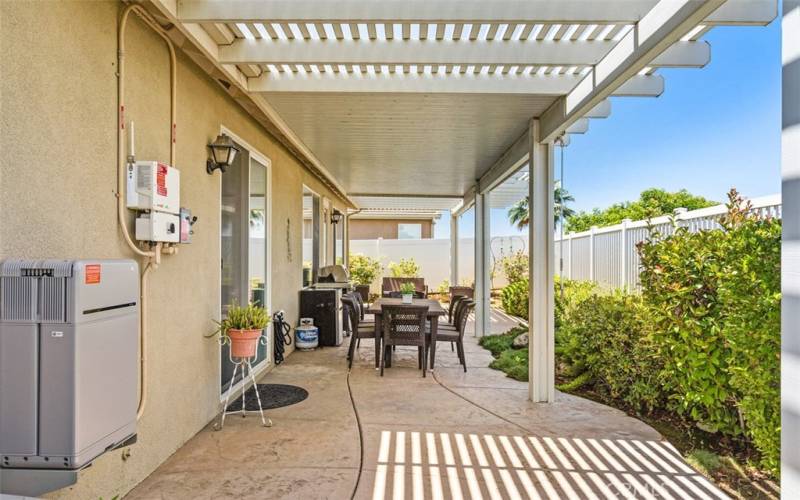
pixel 272 396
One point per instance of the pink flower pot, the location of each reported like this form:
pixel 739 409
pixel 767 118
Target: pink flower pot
pixel 244 342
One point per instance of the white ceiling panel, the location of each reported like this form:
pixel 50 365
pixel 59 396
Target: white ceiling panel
pixel 409 144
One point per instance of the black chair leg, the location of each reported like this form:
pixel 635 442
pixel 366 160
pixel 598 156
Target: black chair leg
pixel 424 356
pixel 462 356
pixel 383 361
pixel 452 348
pixel 419 357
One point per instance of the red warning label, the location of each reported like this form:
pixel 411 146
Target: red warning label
pixel 161 180
pixel 92 274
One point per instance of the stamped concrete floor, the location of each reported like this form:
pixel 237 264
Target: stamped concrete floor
pixel 449 435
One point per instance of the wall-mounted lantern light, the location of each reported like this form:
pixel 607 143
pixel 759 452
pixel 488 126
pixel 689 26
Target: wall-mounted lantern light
pixel 336 216
pixel 223 151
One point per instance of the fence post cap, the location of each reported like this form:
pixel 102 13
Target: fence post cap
pixel 680 210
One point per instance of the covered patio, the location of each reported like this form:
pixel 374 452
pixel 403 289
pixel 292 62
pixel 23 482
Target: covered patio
pixel 352 107
pixel 415 104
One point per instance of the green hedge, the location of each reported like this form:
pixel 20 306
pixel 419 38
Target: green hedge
pixel 714 300
pixel 609 337
pixel 702 339
pixel 514 298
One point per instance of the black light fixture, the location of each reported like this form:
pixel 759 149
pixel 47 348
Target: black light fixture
pixel 223 151
pixel 336 216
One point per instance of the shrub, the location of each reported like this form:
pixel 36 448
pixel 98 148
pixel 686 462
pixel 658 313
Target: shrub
pixel 514 362
pixel 363 270
pixel 575 292
pixel 714 298
pixel 515 266
pixel 406 268
pixel 514 298
pixel 609 336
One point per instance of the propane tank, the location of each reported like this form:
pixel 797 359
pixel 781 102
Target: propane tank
pixel 306 335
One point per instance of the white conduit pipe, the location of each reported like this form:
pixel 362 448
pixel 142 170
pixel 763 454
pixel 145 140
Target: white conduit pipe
pixel 153 256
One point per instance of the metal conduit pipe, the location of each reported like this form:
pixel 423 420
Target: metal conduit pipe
pixel 153 257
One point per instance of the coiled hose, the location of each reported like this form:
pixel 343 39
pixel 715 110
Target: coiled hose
pixel 283 336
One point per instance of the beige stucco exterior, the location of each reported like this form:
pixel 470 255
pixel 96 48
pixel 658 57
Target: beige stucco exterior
pixel 58 178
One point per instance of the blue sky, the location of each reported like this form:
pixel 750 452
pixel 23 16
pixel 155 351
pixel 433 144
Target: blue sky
pixel 713 128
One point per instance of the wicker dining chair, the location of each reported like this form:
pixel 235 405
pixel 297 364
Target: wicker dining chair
pixel 455 333
pixel 405 325
pixel 454 300
pixel 358 330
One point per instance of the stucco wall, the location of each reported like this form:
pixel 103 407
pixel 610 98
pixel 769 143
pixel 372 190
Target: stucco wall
pixel 57 200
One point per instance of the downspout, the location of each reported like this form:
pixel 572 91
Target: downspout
pixel 152 258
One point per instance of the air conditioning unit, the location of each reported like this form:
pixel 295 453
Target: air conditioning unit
pixel 68 361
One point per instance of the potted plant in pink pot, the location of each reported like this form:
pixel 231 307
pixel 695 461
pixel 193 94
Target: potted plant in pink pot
pixel 242 327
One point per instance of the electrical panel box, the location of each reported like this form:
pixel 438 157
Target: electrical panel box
pixel 68 361
pixel 159 226
pixel 154 186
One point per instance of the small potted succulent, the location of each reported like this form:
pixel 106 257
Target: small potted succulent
pixel 242 327
pixel 407 291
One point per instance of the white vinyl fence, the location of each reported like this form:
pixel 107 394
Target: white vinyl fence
pixel 433 257
pixel 605 255
pixel 608 255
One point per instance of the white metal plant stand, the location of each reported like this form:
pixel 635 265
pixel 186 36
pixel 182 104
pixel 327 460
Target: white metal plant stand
pixel 237 364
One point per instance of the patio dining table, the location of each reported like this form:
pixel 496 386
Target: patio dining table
pixel 435 310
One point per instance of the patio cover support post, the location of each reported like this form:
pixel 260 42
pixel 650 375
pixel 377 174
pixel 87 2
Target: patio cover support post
pixel 541 270
pixel 453 250
pixel 483 283
pixel 790 253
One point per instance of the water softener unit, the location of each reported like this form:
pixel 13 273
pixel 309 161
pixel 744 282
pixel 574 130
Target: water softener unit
pixel 68 361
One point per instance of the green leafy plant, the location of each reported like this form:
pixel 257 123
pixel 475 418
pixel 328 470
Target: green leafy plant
pixel 714 299
pixel 250 317
pixel 514 298
pixel 609 336
pixel 407 288
pixel 406 268
pixel 443 288
pixel 363 269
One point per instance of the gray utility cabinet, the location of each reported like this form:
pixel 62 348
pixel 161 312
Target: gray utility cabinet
pixel 68 360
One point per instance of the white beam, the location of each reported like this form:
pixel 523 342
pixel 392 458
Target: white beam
pixel 435 52
pixel 581 126
pixel 602 110
pixel 641 86
pixel 454 250
pixel 454 83
pixel 541 270
pixel 455 11
pixel 684 55
pixel 400 51
pixel 483 282
pixel 664 25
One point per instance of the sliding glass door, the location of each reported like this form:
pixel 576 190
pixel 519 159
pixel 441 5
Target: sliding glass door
pixel 243 244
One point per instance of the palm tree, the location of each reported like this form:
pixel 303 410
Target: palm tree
pixel 519 215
